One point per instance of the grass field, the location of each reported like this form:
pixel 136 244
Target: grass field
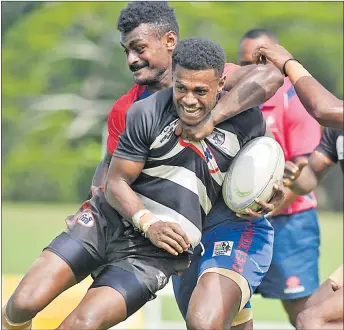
pixel 27 228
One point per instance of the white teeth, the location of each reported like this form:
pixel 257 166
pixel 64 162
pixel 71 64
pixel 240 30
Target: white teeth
pixel 191 111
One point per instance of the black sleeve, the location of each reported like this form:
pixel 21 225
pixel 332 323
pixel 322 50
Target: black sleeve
pixel 250 124
pixel 134 142
pixel 327 145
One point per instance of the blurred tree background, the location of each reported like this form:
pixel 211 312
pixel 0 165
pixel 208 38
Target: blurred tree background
pixel 63 67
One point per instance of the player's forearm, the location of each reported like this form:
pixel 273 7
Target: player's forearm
pixel 252 89
pixel 305 183
pixel 317 100
pixel 122 198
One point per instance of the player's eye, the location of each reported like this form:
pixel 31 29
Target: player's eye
pixel 139 49
pixel 201 92
pixel 181 89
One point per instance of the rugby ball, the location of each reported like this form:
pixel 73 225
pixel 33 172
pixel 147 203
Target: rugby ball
pixel 254 171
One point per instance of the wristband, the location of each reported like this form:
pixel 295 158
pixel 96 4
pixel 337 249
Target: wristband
pixel 148 223
pixel 285 63
pixel 139 215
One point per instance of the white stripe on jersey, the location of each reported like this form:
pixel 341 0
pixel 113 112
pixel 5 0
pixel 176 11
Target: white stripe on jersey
pixel 185 178
pixel 166 214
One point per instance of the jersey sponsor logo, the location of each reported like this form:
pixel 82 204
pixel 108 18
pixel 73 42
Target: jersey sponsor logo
pixel 293 284
pixel 164 136
pixel 226 142
pixel 86 219
pixel 223 248
pixel 340 147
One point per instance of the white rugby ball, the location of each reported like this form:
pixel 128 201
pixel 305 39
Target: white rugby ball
pixel 254 171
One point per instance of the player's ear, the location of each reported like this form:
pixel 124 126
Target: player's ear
pixel 221 84
pixel 171 40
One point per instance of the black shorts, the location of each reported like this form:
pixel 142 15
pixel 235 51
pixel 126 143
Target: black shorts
pixel 98 240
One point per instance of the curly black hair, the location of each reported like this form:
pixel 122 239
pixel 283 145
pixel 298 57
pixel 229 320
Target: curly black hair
pixel 199 54
pixel 156 13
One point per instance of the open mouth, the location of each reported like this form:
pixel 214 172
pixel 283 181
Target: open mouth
pixel 194 112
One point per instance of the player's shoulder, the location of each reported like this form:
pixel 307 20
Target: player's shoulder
pixel 156 103
pixel 123 103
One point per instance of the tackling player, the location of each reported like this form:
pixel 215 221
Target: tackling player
pixel 149 59
pixel 290 278
pixel 159 189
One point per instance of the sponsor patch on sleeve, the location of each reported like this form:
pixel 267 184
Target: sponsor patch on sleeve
pixel 86 219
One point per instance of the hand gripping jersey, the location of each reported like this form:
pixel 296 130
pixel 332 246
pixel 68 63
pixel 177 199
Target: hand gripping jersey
pixel 181 179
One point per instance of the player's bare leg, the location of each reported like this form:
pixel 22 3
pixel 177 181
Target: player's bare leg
pixel 327 314
pixel 101 308
pixel 48 277
pixel 293 307
pixel 214 303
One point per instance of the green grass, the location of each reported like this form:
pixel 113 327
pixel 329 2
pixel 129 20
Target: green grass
pixel 28 228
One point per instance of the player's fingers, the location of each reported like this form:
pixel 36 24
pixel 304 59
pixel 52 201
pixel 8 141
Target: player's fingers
pixel 171 240
pixel 177 229
pixel 178 239
pixel 267 207
pixel 287 182
pixel 302 164
pixel 167 248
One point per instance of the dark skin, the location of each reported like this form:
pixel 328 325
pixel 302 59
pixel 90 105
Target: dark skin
pixel 324 309
pixel 249 86
pixel 192 89
pixel 321 104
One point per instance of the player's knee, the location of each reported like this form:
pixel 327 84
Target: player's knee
pixel 202 321
pixel 81 321
pixel 22 306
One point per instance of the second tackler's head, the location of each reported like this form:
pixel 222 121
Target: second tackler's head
pixel 148 33
pixel 251 40
pixel 197 66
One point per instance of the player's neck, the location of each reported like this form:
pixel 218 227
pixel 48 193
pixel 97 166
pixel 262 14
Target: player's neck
pixel 165 81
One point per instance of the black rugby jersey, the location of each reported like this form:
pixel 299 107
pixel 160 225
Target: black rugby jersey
pixel 181 179
pixel 332 145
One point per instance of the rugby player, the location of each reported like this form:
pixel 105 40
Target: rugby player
pixel 149 32
pixel 143 226
pixel 324 309
pixel 290 278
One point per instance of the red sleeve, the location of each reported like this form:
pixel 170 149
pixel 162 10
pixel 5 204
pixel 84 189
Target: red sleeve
pixel 230 68
pixel 116 126
pixel 302 132
pixel 117 116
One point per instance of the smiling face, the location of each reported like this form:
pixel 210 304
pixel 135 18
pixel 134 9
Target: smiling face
pixel 148 55
pixel 195 93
